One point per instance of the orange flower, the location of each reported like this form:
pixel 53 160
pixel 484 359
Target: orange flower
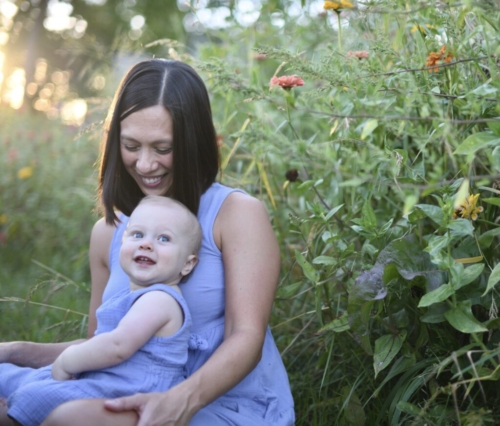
pixel 435 58
pixel 287 81
pixel 360 54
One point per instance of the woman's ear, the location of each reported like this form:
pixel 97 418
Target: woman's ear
pixel 191 262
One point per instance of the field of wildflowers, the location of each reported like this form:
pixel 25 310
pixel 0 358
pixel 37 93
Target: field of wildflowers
pixel 372 132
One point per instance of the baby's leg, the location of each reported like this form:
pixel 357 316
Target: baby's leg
pixel 4 420
pixel 86 412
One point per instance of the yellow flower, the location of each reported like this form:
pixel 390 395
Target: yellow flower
pixel 337 5
pixel 422 28
pixel 468 209
pixel 3 219
pixel 25 172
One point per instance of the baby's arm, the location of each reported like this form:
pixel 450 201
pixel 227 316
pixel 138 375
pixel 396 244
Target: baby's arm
pixel 150 313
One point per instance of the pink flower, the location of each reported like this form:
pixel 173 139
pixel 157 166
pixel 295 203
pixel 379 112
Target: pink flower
pixel 360 54
pixel 287 81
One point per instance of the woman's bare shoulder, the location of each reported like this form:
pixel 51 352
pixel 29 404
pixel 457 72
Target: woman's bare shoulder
pixel 100 238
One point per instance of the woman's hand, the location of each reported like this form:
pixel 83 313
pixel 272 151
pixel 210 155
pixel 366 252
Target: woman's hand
pixel 154 409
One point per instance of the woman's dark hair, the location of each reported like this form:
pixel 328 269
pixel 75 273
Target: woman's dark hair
pixel 177 87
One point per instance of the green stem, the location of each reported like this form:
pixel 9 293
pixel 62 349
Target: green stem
pixel 288 116
pixel 340 31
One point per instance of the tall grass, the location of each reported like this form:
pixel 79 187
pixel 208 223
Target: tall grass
pixel 47 194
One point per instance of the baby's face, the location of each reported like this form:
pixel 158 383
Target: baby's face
pixel 156 246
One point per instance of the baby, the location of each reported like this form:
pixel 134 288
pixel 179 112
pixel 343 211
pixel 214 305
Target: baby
pixel 142 335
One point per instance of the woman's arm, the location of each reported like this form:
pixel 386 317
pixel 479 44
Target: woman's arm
pixel 100 242
pixel 35 355
pixel 251 263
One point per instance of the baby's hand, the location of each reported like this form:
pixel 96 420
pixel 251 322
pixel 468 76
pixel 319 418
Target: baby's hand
pixel 58 373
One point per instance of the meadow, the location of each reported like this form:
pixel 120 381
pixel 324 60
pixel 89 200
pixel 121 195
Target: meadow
pixel 379 162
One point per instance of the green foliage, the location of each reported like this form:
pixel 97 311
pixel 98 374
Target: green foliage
pixel 47 197
pixel 370 171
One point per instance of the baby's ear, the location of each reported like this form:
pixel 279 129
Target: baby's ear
pixel 191 262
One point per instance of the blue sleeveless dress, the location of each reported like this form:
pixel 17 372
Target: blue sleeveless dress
pixel 155 367
pixel 263 397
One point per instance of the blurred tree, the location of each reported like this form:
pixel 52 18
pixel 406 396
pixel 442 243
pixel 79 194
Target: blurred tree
pixel 80 36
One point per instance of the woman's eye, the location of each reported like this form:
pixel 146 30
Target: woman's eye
pixel 137 235
pixel 163 239
pixel 131 147
pixel 163 151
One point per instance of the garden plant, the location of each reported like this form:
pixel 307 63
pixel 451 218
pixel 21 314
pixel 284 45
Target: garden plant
pixel 371 130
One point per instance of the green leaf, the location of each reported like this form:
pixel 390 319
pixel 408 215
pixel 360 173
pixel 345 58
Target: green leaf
pixel 435 313
pixel 324 260
pixel 368 216
pixel 351 182
pixel 461 228
pixel 470 274
pixel 433 212
pixel 495 201
pixel 368 128
pixel 493 279
pixel 402 364
pixel 386 348
pixel 354 413
pixel 409 408
pixel 436 296
pixel 461 318
pixel 476 142
pixel 289 290
pixel 337 325
pixel 486 239
pixel 307 268
pixel 484 90
pixel 494 126
pixel 332 212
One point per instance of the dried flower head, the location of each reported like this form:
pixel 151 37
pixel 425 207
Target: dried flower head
pixel 435 58
pixel 360 54
pixel 468 209
pixel 337 5
pixel 287 81
pixel 292 175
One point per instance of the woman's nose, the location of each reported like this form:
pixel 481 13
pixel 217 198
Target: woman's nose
pixel 146 162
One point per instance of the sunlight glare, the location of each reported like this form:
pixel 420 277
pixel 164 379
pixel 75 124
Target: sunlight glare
pixel 8 9
pixel 74 112
pixel 2 59
pixel 14 94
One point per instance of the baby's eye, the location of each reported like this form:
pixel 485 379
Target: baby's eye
pixel 163 239
pixel 137 235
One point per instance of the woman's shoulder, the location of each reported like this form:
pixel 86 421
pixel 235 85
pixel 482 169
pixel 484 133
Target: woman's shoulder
pixel 101 236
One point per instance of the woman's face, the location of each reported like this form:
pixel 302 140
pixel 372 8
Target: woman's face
pixel 146 146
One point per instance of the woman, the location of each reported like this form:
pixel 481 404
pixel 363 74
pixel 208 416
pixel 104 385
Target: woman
pixel 161 140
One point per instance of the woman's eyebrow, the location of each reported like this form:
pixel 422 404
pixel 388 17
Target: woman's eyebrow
pixel 131 139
